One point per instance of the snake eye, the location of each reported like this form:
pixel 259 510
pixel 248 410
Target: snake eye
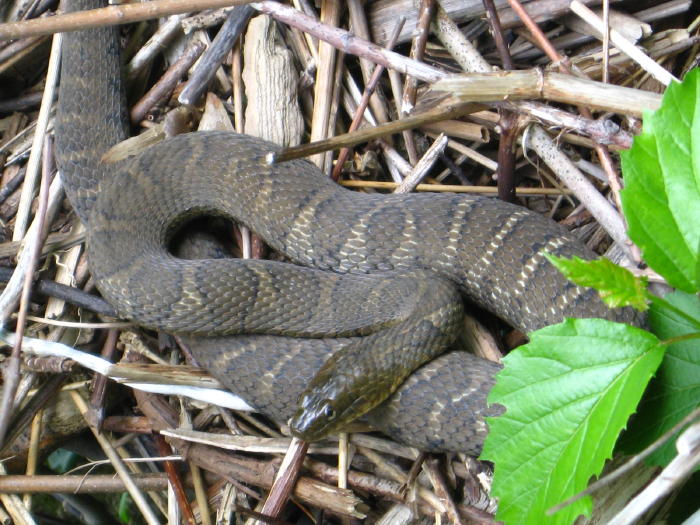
pixel 328 411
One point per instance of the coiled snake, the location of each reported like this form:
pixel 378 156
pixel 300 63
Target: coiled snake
pixel 382 274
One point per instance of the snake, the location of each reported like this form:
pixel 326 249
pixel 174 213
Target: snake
pixel 361 324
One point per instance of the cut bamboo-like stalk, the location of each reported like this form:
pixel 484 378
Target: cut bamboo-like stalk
pixel 537 84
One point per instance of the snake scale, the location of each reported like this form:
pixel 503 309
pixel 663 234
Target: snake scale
pixel 380 276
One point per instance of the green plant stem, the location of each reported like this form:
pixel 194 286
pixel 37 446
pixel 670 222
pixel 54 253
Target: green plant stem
pixel 679 338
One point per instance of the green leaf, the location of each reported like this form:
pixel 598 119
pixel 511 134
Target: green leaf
pixel 126 508
pixel 675 391
pixel 62 460
pixel 661 199
pixel 567 394
pixel 616 285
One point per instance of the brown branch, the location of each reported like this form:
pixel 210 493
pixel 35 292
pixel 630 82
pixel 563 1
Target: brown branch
pixel 11 373
pixel 349 43
pixel 167 82
pixel 105 16
pixel 78 484
pixel 364 101
pixel 451 188
pixel 164 450
pixel 364 135
pixel 285 478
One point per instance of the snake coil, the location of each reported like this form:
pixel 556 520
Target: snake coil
pixel 384 271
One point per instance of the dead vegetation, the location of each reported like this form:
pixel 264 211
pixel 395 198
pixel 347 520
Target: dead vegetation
pixel 540 124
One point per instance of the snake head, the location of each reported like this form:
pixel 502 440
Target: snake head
pixel 328 405
pixel 313 421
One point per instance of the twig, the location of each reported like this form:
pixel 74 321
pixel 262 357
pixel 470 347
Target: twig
pixel 26 413
pixel 175 480
pixel 35 235
pixel 671 476
pixel 534 83
pixel 364 135
pixel 451 188
pixel 624 45
pixel 497 33
pixel 285 479
pixel 13 504
pixel 23 102
pixel 537 139
pixel 119 466
pixel 602 131
pixel 506 154
pixel 106 16
pixel 508 121
pixel 155 45
pixel 349 43
pixel 421 168
pixel 69 294
pixel 72 484
pixel 212 58
pixel 595 202
pixel 440 486
pixel 167 82
pixel 359 25
pixel 30 177
pixel 96 412
pixel 366 95
pixel 410 87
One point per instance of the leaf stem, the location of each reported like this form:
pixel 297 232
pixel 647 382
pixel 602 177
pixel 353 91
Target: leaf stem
pixel 680 338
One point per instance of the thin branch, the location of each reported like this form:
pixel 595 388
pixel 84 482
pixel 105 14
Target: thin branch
pixel 106 16
pixel 364 135
pixel 364 101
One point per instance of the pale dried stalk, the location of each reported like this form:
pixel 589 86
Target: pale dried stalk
pixel 537 139
pixel 477 157
pixel 244 443
pixel 459 129
pixel 349 43
pixel 119 466
pixel 437 188
pixel 421 168
pixel 361 29
pixel 624 45
pixel 10 295
pixel 538 84
pixel 155 44
pixel 33 455
pixel 32 173
pixel 599 207
pixel 13 504
pixel 200 494
pixel 445 111
pixel 671 476
pixel 457 45
pixel 330 14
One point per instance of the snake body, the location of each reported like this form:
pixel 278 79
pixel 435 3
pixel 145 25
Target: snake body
pixel 378 271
